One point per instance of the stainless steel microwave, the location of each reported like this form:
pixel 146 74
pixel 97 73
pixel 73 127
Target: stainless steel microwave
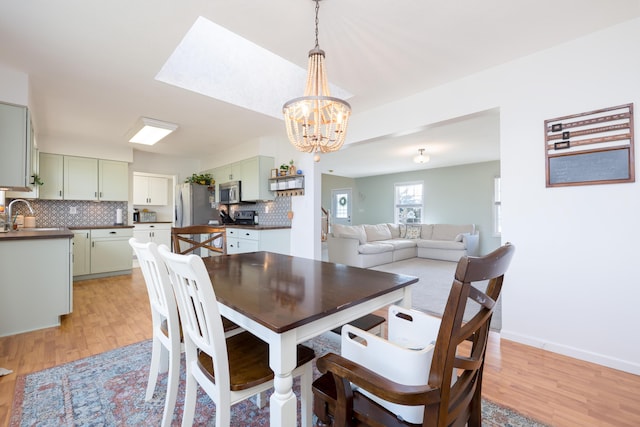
pixel 230 192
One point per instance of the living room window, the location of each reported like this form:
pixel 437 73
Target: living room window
pixel 409 203
pixel 497 208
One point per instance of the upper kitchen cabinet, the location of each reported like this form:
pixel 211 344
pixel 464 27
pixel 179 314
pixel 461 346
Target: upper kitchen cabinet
pixel 16 139
pixel 51 167
pixel 83 178
pixel 80 178
pixel 113 181
pixel 255 173
pixel 150 190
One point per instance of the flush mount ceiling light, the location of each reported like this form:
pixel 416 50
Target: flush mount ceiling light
pixel 316 122
pixel 149 131
pixel 421 158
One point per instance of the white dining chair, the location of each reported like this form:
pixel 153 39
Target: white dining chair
pixel 230 369
pixel 166 347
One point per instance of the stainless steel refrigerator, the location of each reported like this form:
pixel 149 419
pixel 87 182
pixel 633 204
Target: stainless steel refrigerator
pixel 194 205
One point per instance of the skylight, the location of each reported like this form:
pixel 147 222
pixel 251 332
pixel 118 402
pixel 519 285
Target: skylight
pixel 215 62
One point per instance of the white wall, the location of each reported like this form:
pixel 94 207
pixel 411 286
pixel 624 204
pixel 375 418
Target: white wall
pixel 14 86
pixel 572 287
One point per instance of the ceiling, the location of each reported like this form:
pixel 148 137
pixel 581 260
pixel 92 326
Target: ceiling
pixel 92 65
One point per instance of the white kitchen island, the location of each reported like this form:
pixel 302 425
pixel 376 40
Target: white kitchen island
pixel 36 285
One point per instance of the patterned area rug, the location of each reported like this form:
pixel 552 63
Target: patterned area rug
pixel 108 390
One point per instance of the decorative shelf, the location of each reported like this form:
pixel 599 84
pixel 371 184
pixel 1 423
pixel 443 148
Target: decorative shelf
pixel 287 185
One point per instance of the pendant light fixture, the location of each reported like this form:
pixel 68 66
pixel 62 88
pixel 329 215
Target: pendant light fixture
pixel 316 122
pixel 421 158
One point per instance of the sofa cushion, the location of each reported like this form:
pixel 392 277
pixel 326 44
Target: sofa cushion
pixel 350 231
pixel 440 244
pixel 394 229
pixel 375 248
pixel 449 231
pixel 400 243
pixel 377 232
pixel 413 231
pixel 426 232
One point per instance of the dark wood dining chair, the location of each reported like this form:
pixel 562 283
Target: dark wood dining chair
pixel 228 369
pixel 452 394
pixel 186 240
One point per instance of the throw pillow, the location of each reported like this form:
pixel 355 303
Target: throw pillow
pixel 403 231
pixel 413 231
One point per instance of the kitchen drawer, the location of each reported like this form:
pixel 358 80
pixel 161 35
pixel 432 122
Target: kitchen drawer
pixel 241 233
pixel 111 232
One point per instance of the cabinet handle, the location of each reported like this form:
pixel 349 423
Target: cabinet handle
pixel 95 194
pixel 112 232
pixel 60 193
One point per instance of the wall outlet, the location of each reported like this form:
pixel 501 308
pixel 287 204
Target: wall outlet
pixel 73 210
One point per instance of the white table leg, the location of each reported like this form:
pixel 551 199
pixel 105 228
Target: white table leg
pixel 282 359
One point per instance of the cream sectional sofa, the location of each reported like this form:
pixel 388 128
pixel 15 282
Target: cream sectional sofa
pixel 369 245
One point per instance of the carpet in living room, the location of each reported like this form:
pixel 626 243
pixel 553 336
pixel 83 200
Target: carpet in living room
pixel 432 290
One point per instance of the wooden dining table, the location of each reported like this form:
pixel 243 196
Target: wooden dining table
pixel 287 300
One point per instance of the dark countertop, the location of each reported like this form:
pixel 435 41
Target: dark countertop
pixel 26 233
pixel 250 227
pixel 97 227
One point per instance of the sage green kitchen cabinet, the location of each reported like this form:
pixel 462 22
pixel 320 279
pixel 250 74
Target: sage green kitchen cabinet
pixel 110 250
pixel 81 252
pixel 16 135
pixel 101 252
pixel 35 189
pixel 83 178
pixel 255 174
pixel 36 283
pixel 113 181
pixel 80 178
pixel 150 190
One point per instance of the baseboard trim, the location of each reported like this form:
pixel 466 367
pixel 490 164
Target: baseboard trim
pixel 576 353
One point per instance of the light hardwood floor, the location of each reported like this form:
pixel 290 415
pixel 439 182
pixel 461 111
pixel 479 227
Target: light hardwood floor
pixel 113 312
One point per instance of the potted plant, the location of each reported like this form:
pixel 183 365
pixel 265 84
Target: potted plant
pixel 292 168
pixel 36 179
pixel 284 169
pixel 202 179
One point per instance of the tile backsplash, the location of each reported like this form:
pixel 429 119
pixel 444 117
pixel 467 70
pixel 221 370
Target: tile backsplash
pixel 57 213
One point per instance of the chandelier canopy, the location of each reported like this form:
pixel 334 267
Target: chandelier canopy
pixel 316 122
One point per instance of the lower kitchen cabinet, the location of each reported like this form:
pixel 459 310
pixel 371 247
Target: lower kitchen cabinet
pixel 241 240
pixel 158 233
pixel 81 252
pixel 101 252
pixel 36 284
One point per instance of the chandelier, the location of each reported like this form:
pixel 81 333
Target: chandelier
pixel 316 122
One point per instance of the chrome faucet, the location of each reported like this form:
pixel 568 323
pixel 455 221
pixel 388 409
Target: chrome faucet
pixel 10 219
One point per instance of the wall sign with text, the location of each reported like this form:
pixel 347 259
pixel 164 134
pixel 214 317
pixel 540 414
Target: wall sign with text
pixel 590 148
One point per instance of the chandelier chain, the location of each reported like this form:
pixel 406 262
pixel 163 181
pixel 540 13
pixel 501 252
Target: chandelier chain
pixel 317 21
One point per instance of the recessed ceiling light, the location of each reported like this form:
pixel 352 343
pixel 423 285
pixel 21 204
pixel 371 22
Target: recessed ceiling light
pixel 149 131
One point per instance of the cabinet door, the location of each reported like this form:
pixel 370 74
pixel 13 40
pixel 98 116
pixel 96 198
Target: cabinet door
pixel 157 191
pixel 162 236
pixel 140 190
pixel 150 190
pixel 14 161
pixel 81 252
pixel 52 175
pixel 113 180
pixel 110 255
pixel 80 178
